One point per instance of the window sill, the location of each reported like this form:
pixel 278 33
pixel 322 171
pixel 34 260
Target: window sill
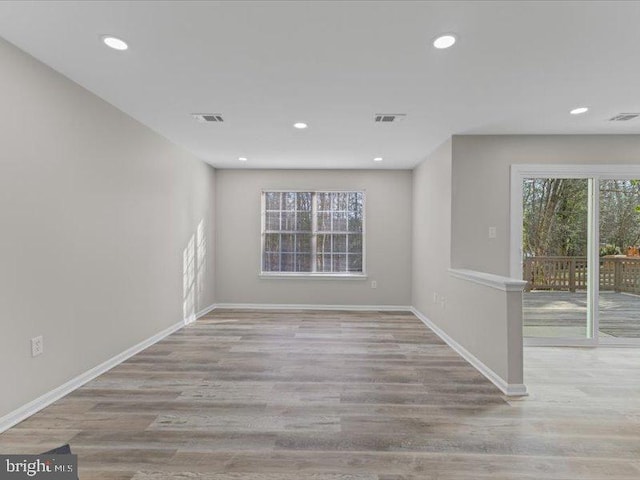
pixel 314 276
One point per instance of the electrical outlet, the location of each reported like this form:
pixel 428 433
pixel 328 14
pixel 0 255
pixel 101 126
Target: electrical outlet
pixel 37 346
pixel 374 284
pixel 492 232
pixel 443 302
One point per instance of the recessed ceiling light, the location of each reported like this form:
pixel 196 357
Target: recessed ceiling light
pixel 114 42
pixel 242 159
pixel 377 159
pixel 579 110
pixel 444 41
pixel 300 125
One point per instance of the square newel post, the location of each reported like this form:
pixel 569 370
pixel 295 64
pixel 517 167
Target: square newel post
pixel 528 274
pixel 617 275
pixel 572 274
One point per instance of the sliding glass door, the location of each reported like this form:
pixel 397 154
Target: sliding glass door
pixel 619 236
pixel 576 242
pixel 555 262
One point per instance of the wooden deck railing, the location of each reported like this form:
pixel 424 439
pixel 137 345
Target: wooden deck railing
pixel 619 274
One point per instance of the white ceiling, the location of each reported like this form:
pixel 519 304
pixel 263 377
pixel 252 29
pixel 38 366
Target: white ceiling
pixel 517 68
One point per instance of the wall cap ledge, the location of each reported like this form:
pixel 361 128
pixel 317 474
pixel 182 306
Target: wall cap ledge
pixel 506 284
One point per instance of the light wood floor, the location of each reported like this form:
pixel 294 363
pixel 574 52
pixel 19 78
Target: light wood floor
pixel 339 395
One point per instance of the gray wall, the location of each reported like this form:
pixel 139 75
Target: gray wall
pixel 481 319
pixel 460 191
pixel 108 232
pixel 431 231
pixel 388 240
pixel 481 178
pixel 95 211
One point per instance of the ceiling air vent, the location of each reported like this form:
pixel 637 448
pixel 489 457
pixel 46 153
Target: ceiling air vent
pixel 624 117
pixel 389 117
pixel 208 117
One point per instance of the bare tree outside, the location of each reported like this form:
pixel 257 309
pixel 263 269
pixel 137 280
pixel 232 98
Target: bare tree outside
pixel 555 263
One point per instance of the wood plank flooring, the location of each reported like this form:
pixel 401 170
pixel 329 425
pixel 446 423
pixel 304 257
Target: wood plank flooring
pixel 300 395
pixel 565 314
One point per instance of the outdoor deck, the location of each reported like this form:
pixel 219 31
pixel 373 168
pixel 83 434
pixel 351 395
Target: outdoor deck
pixel 560 314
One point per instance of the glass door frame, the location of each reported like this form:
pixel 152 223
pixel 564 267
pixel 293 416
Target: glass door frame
pixel 594 173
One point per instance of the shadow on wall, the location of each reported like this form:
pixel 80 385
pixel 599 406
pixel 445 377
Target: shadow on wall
pixel 201 255
pixel 193 273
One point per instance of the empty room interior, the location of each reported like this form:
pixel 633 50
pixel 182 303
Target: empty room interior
pixel 320 240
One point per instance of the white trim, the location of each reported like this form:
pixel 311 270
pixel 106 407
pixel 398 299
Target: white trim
pixel 559 342
pixel 498 282
pixel 21 413
pixel 48 398
pixel 34 406
pixel 581 342
pixel 307 190
pixel 619 342
pixel 516 221
pixel 314 235
pixel 593 259
pixel 310 275
pixel 206 310
pixel 509 389
pixel 540 170
pixel 305 306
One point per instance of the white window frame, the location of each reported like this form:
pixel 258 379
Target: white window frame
pixel 318 275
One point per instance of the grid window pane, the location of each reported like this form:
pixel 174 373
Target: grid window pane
pixel 304 202
pixel 355 222
pixel 323 263
pixel 355 243
pixel 272 200
pixel 354 213
pixel 303 222
pixel 339 243
pixel 272 221
pixel 271 262
pixel 324 201
pixel 272 243
pixel 288 221
pixel 324 221
pixel 339 222
pixel 339 263
pixel 303 243
pixel 323 244
pixel 287 243
pixel 339 201
pixel 288 262
pixel 355 202
pixel 355 263
pixel 303 263
pixel 313 232
pixel 289 201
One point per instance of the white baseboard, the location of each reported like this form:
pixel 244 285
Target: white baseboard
pixel 18 415
pixel 48 398
pixel 509 389
pixel 206 310
pixel 288 306
pixel 512 390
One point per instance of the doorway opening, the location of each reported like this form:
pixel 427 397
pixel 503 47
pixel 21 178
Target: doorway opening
pixel 576 242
